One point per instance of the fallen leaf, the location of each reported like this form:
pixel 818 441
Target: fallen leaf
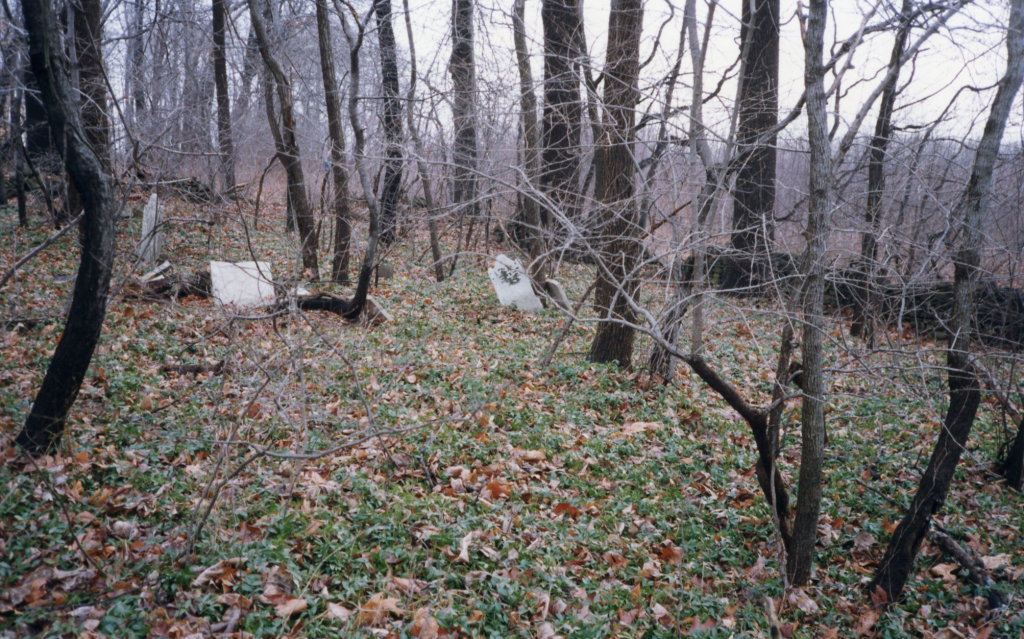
pixel 423 625
pixel 338 611
pixel 944 572
pixel 377 609
pixel 408 587
pixel 223 571
pixel 290 606
pixel 464 546
pixel 800 599
pixel 865 623
pixel 995 562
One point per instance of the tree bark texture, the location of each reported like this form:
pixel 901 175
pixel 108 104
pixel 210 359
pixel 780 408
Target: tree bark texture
pixel 563 108
pixel 753 219
pixel 812 448
pixel 462 67
pixel 392 121
pixel 220 78
pixel 618 233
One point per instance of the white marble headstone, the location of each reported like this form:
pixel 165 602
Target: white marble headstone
pixel 512 284
pixel 242 284
pixel 149 247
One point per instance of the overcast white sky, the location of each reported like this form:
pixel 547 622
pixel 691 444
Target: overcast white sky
pixel 970 52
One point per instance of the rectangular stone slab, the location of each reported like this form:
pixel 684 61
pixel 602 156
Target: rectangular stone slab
pixel 512 284
pixel 242 284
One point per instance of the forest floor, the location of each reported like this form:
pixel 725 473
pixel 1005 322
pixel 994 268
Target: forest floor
pixel 471 493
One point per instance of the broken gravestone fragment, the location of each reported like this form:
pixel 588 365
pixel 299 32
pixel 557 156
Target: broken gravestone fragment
pixel 149 246
pixel 512 284
pixel 375 313
pixel 242 284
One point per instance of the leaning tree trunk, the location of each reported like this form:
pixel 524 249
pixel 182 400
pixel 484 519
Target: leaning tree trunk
pixel 563 109
pixel 964 386
pixel 220 79
pixel 618 243
pixel 462 67
pixel 392 121
pixel 46 422
pixel 864 276
pixel 531 146
pixel 339 172
pixel 291 157
pixel 812 448
pixel 753 218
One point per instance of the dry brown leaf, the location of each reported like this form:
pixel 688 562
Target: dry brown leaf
pixel 423 625
pixel 222 572
pixel 464 546
pixel 995 562
pixel 944 572
pixel 377 609
pixel 408 587
pixel 338 611
pixel 800 599
pixel 290 606
pixel 547 631
pixel 865 623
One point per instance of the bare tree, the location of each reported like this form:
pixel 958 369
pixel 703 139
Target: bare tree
pixel 963 377
pixel 618 233
pixel 531 146
pixel 288 152
pixel 46 422
pixel 563 107
pixel 753 219
pixel 339 172
pixel 864 277
pixel 421 165
pixel 220 74
pixel 392 121
pixel 462 67
pixel 812 448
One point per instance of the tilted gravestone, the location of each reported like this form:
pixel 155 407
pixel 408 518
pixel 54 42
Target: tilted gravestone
pixel 242 284
pixel 149 247
pixel 512 284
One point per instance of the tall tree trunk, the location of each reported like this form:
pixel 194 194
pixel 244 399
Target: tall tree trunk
pixel 753 221
pixel 220 73
pixel 339 172
pixel 46 422
pixel 618 235
pixel 531 146
pixel 289 154
pixel 392 121
pixel 563 109
pixel 964 386
pixel 421 165
pixel 462 67
pixel 864 275
pixel 812 447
